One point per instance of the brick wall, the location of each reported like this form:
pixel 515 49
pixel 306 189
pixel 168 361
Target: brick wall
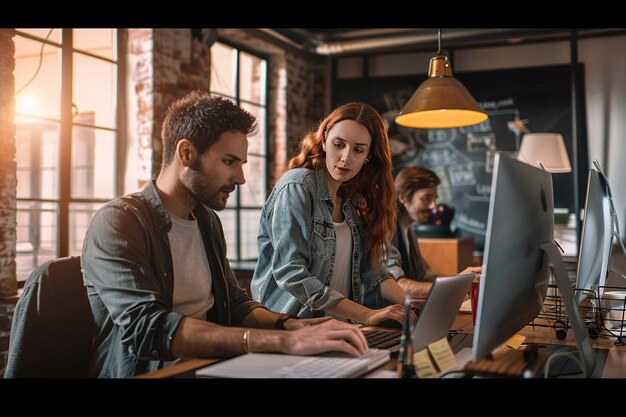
pixel 180 65
pixel 8 177
pixel 305 96
pixel 141 71
pixel 8 190
pixel 277 116
pixel 166 65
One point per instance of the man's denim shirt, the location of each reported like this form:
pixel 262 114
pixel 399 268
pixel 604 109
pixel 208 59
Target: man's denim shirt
pixel 128 272
pixel 297 248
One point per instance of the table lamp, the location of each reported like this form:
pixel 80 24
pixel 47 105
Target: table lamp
pixel 547 148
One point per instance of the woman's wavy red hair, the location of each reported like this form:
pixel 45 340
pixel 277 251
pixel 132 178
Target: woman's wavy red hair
pixel 372 190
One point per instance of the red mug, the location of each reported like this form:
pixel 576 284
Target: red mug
pixel 474 297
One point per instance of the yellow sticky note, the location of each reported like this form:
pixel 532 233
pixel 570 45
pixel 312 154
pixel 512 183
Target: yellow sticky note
pixel 515 341
pixel 442 354
pixel 424 367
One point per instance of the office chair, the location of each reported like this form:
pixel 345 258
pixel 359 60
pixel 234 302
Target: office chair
pixel 53 330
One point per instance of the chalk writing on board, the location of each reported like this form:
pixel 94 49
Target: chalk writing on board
pixel 443 155
pixel 461 174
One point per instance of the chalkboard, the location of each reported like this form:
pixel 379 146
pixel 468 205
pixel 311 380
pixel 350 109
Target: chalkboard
pixel 537 99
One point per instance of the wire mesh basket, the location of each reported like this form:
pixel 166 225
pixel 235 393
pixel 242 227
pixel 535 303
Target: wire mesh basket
pixel 604 312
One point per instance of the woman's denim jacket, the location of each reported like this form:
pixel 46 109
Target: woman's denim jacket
pixel 297 248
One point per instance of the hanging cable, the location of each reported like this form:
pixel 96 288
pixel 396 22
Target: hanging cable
pixel 439 41
pixel 43 44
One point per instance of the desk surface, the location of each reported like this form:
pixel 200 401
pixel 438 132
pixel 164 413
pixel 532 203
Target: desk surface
pixel 541 332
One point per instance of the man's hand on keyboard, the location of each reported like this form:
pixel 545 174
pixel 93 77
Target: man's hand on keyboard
pixel 331 335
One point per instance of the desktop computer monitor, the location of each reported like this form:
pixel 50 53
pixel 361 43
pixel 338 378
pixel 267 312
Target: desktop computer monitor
pixel 595 242
pixel 516 270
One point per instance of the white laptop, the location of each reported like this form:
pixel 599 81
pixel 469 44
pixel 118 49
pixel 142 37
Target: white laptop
pixel 440 310
pixel 435 318
pixel 273 365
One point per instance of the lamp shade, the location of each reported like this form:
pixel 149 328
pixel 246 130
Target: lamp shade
pixel 441 101
pixel 548 148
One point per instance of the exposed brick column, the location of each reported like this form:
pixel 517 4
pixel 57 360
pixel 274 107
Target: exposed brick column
pixel 305 96
pixel 181 65
pixel 8 177
pixel 140 61
pixel 165 64
pixel 8 192
pixel 277 117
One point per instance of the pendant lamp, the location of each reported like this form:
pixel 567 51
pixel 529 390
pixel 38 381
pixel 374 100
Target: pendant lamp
pixel 441 101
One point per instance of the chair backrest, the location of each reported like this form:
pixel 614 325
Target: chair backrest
pixel 53 329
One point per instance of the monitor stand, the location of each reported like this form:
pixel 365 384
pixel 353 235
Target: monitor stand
pixel 583 341
pixel 530 361
pixel 506 362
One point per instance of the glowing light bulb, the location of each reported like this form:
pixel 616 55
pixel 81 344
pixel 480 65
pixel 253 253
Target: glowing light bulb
pixel 26 104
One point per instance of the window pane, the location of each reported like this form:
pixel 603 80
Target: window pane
pixel 42 96
pixel 256 143
pixel 36 235
pixel 55 35
pixel 37 145
pixel 102 42
pixel 252 78
pixel 95 89
pixel 93 162
pixel 252 193
pixel 223 65
pixel 80 216
pixel 228 223
pixel 249 229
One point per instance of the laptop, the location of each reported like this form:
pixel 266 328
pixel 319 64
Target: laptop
pixel 273 365
pixel 435 318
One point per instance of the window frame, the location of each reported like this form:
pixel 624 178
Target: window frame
pixel 65 200
pixel 238 208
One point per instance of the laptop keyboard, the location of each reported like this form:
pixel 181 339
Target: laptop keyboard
pixel 333 367
pixel 382 339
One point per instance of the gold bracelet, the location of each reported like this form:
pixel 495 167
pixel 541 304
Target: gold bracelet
pixel 246 338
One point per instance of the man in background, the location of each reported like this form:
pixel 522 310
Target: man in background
pixel 416 189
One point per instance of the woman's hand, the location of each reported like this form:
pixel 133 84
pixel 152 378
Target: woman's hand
pixel 476 270
pixel 295 324
pixel 393 312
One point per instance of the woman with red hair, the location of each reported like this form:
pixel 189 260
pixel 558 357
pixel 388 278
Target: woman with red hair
pixel 325 228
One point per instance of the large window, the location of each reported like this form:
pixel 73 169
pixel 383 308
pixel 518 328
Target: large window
pixel 241 76
pixel 66 119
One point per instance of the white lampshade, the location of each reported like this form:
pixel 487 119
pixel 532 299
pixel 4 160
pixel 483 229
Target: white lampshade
pixel 548 148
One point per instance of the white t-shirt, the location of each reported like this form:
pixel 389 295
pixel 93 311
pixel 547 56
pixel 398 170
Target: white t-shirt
pixel 193 295
pixel 341 280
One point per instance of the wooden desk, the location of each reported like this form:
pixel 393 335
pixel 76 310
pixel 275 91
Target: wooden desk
pixel 447 256
pixel 614 367
pixel 542 332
